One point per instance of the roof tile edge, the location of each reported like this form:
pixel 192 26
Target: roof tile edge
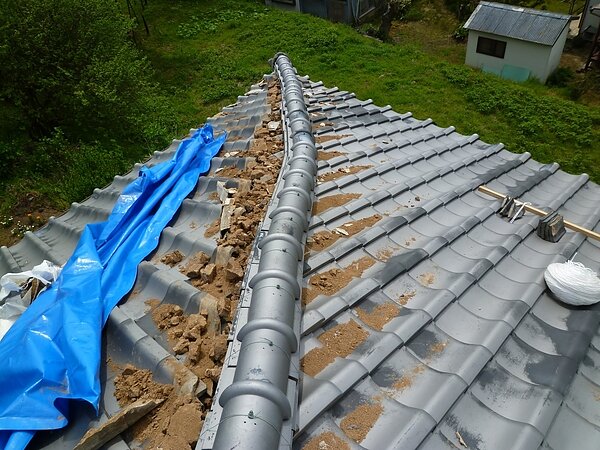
pixel 257 402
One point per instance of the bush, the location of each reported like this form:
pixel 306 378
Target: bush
pixel 460 34
pixel 560 77
pixel 71 64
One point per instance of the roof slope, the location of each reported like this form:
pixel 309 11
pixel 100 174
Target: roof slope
pixel 449 332
pixel 425 321
pixel 526 24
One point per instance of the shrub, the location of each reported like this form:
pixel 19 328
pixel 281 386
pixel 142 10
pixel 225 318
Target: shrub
pixel 460 34
pixel 560 77
pixel 71 64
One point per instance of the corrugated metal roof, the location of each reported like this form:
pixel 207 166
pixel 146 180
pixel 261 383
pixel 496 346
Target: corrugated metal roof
pixel 425 319
pixel 515 22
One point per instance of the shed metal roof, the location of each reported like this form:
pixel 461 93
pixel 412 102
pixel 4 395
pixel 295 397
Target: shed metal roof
pixel 515 22
pixel 425 321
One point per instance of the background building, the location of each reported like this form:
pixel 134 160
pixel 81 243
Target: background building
pixel 514 42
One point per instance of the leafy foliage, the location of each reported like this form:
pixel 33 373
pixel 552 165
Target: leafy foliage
pixel 74 85
pixel 70 64
pixel 214 19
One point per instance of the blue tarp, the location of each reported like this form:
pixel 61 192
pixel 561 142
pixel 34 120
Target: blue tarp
pixel 51 355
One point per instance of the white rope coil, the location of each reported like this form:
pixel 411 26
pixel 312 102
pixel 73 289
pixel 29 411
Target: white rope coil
pixel 573 283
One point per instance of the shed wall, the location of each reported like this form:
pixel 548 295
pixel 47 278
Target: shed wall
pixel 557 50
pixel 588 18
pixel 528 55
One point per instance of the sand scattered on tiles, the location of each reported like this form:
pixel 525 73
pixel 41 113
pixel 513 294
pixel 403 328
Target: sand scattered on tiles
pixel 324 203
pixel 339 341
pixel 333 280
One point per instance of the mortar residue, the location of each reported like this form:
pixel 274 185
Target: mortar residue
pixel 342 172
pixel 379 316
pixel 333 280
pixel 201 338
pixel 326 441
pixel 326 156
pixel 323 204
pixel 326 238
pixel 338 341
pixel 359 422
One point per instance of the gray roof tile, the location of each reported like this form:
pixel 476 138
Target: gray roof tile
pixel 461 334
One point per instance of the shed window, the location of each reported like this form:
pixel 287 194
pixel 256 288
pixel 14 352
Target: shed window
pixel 492 47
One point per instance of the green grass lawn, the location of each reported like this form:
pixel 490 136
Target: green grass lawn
pixel 206 53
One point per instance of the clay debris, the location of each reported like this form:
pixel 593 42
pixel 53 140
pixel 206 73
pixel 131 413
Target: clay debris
pixel 407 379
pixel 379 316
pixel 172 258
pixel 330 176
pixel 326 238
pixel 404 298
pixel 175 424
pixel 359 422
pixel 201 338
pixel 326 441
pixel 326 156
pixel 333 280
pixel 338 341
pixel 427 278
pixel 330 137
pixel 323 204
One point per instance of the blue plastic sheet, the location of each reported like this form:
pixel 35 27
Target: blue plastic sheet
pixel 51 355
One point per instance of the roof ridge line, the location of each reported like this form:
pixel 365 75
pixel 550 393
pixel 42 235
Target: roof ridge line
pixel 261 395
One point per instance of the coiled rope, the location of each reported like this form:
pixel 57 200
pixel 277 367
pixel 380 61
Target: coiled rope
pixel 573 283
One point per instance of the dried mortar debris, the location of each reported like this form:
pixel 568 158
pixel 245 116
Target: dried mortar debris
pixel 326 441
pixel 326 156
pixel 407 379
pixel 342 172
pixel 324 203
pixel 405 298
pixel 338 341
pixel 333 280
pixel 379 316
pixel 326 238
pixel 178 420
pixel 176 424
pixel 320 139
pixel 427 278
pixel 172 258
pixel 359 422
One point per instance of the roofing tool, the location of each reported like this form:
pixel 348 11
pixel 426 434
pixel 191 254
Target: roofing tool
pixel 551 222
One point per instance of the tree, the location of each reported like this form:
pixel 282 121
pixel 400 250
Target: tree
pixel 394 9
pixel 70 64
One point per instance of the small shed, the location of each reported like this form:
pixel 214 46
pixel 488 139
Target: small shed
pixel 514 42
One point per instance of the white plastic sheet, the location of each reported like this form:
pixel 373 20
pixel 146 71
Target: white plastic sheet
pixel 13 300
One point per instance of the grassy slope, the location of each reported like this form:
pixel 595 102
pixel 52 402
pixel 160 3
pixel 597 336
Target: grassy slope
pixel 207 52
pixel 209 69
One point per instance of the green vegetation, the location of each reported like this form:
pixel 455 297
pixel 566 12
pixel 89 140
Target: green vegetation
pixel 208 69
pixel 205 53
pixel 78 100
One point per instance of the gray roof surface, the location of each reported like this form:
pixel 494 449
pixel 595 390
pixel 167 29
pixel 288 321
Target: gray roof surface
pixel 517 22
pixel 473 345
